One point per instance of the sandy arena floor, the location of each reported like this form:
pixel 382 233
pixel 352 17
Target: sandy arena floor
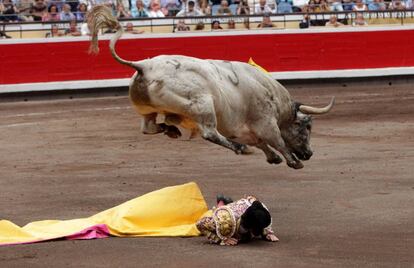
pixel 351 206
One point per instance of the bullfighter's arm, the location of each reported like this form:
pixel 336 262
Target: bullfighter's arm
pixel 207 227
pixel 219 228
pixel 268 233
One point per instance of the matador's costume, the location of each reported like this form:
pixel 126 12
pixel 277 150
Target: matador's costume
pixel 225 222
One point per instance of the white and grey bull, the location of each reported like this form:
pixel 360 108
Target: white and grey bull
pixel 229 103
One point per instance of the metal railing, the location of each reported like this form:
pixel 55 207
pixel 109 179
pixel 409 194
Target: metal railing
pixel 281 21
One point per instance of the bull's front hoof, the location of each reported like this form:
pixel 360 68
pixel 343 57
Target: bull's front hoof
pixel 295 165
pixel 172 132
pixel 276 160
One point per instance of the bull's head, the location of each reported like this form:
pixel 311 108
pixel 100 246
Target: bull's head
pixel 297 133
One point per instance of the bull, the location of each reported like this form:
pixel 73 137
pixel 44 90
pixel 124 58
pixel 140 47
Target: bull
pixel 232 104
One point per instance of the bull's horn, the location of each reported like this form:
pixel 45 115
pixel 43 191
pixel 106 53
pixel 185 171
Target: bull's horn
pixel 313 110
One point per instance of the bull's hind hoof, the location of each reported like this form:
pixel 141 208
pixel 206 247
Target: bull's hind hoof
pixel 172 132
pixel 240 148
pixel 295 165
pixel 247 150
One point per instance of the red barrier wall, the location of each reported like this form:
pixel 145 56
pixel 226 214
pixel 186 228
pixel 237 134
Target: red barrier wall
pixel 65 61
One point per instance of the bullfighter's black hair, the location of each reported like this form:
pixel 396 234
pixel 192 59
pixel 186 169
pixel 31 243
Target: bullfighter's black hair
pixel 256 218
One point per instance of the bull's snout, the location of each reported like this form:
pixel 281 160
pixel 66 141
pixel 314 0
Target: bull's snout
pixel 305 155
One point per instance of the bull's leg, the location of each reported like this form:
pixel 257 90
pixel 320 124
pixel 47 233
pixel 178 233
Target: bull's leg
pixel 170 129
pixel 193 133
pixel 269 132
pixel 271 156
pixel 204 115
pixel 149 126
pixel 211 134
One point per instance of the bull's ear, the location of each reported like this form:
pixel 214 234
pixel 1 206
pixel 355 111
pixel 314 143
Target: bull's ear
pixel 299 116
pixel 296 106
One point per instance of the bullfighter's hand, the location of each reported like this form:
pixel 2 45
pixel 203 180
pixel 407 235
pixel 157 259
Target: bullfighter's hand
pixel 272 237
pixel 230 242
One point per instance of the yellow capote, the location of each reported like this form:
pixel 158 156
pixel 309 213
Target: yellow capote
pixel 171 211
pixel 251 62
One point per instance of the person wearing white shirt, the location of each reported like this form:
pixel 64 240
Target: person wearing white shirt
pixel 190 11
pixel 155 11
pixel 300 4
pixel 262 8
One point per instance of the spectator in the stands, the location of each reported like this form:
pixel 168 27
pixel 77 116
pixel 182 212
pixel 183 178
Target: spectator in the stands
pixel 73 4
pixel 333 22
pixel 359 20
pixel 130 29
pixel 273 4
pixel 310 7
pixel 200 26
pixel 305 22
pixel 121 13
pixel 262 8
pixel 409 4
pixel 52 14
pixel 184 4
pixel 321 6
pixel 243 8
pixel 224 8
pixel 266 22
pixel 359 6
pixel 204 7
pixel 190 11
pixel 81 12
pixel 139 11
pixel 215 5
pixel 377 5
pixel 58 3
pixel 284 6
pixel 155 10
pixel 23 6
pixel 54 32
pixel 66 14
pixel 170 7
pixel 38 9
pixel 215 25
pixel 125 3
pixel 73 29
pixel 9 11
pixel 299 5
pixel 347 5
pixel 233 5
pixel 231 24
pixel 181 26
pixel 335 5
pixel 397 5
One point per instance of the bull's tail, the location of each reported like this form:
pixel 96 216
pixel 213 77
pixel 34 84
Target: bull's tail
pixel 100 17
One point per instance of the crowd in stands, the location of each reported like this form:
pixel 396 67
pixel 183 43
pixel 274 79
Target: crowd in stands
pixel 67 10
pixel 74 11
